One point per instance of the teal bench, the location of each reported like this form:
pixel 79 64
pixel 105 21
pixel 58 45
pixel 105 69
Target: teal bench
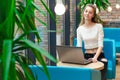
pixel 65 73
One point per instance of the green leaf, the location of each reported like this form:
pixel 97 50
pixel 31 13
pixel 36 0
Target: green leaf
pixel 12 72
pixel 42 63
pixel 24 34
pixel 48 10
pixel 40 50
pixel 38 8
pixel 41 21
pixel 6 58
pixel 24 68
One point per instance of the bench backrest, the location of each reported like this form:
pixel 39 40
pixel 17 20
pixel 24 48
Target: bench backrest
pixel 110 53
pixel 112 33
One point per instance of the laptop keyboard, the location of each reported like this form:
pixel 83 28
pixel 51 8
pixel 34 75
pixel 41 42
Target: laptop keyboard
pixel 87 61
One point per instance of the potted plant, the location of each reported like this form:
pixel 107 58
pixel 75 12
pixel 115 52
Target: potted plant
pixel 18 16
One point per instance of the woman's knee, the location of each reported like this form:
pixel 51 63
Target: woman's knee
pixel 104 60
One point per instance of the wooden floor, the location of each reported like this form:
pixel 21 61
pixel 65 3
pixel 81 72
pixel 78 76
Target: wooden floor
pixel 118 70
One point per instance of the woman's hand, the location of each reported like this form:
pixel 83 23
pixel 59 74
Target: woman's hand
pixel 93 59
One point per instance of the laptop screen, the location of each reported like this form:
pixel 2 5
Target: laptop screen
pixel 70 54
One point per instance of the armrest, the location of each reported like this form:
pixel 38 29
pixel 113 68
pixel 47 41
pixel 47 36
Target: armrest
pixel 109 49
pixel 110 53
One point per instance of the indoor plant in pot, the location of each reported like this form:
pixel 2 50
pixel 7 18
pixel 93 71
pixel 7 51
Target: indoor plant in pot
pixel 18 16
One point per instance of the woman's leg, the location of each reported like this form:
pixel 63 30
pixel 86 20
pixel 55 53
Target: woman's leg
pixel 87 55
pixel 104 71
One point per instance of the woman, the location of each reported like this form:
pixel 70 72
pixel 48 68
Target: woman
pixel 91 32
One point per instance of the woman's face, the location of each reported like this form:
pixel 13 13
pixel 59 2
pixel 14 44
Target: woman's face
pixel 88 13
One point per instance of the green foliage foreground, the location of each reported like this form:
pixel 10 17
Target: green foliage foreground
pixel 18 16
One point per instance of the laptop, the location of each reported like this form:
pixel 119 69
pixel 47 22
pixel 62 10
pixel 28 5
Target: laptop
pixel 71 54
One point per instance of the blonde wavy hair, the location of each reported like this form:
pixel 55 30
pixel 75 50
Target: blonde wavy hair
pixel 94 19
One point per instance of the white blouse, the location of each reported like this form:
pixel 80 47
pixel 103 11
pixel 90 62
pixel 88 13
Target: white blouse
pixel 92 37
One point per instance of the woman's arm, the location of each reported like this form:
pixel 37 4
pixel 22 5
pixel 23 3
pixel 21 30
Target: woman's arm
pixel 79 38
pixel 100 43
pixel 99 50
